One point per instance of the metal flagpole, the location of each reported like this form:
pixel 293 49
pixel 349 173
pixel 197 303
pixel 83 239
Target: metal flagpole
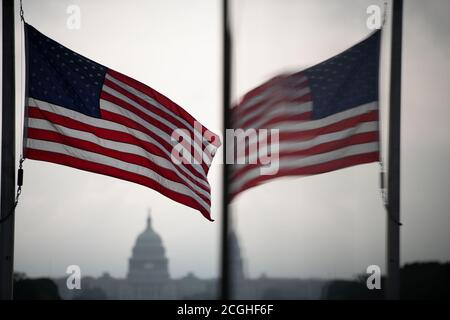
pixel 225 263
pixel 8 154
pixel 393 206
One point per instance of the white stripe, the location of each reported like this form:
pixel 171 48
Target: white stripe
pixel 286 109
pixel 110 106
pixel 315 124
pixel 270 91
pixel 288 126
pixel 273 103
pixel 290 146
pixel 104 160
pixel 119 146
pixel 296 162
pixel 105 124
pixel 114 108
pixel 156 104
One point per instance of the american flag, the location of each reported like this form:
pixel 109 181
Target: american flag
pixel 327 117
pixel 84 115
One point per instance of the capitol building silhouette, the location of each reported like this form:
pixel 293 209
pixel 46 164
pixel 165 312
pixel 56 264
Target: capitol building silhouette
pixel 148 278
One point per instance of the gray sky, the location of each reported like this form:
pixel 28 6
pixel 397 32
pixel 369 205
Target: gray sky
pixel 330 225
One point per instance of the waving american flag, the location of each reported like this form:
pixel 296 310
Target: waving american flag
pixel 84 115
pixel 327 117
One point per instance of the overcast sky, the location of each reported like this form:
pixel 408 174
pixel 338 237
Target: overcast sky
pixel 330 225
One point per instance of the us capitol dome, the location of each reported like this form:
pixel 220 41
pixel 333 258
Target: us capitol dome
pixel 148 278
pixel 148 262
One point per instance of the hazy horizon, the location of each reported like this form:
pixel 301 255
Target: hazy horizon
pixel 326 226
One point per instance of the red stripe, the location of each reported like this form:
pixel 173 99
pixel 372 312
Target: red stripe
pixel 272 82
pixel 313 133
pixel 314 169
pixel 358 138
pixel 112 135
pixel 284 118
pixel 329 146
pixel 125 105
pixel 280 93
pixel 261 88
pixel 277 119
pixel 162 100
pixel 146 105
pixel 141 102
pixel 117 101
pixel 117 118
pixel 333 127
pixel 123 156
pixel 266 104
pixel 117 173
pixel 106 96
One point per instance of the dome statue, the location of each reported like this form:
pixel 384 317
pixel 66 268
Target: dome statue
pixel 148 263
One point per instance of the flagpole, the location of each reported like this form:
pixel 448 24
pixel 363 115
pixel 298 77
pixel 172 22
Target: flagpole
pixel 8 153
pixel 225 265
pixel 393 207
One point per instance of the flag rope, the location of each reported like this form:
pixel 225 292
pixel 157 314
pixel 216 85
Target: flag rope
pixel 383 189
pixel 384 13
pixel 18 192
pixel 22 78
pixel 21 12
pixel 22 159
pixel 384 193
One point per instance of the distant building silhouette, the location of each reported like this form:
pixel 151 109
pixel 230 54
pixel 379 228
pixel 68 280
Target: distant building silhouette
pixel 148 278
pixel 148 262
